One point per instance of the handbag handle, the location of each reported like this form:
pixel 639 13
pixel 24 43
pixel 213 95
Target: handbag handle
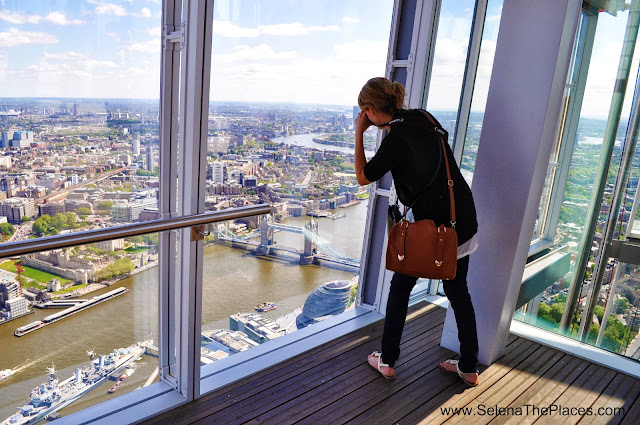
pixel 442 133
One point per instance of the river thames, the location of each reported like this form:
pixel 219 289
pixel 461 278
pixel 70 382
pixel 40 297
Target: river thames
pixel 234 281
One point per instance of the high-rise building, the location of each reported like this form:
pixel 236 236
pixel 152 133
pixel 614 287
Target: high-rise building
pixel 150 158
pixel 217 172
pixel 136 147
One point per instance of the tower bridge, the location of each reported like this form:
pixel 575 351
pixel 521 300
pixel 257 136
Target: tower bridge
pixel 315 246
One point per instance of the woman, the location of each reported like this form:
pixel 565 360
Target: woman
pixel 412 155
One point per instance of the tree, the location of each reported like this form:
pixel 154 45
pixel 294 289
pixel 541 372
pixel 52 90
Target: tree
pixel 71 219
pixel 82 211
pixel 621 306
pixel 7 229
pixel 599 312
pixel 43 226
pixel 136 240
pixel 59 221
pixel 105 206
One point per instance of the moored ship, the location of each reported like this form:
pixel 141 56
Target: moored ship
pixel 53 395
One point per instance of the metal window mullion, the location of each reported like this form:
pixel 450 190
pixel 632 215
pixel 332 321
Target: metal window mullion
pixel 469 79
pixel 569 137
pixel 196 59
pixel 624 67
pixel 167 199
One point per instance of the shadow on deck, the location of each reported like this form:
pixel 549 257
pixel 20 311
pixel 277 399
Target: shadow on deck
pixel 332 384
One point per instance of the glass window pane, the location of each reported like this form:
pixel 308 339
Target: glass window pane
pixel 449 61
pixel 78 116
pixel 547 307
pixel 78 151
pixel 481 88
pixel 284 86
pixel 90 312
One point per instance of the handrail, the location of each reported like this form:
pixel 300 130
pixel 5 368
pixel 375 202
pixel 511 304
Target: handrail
pixel 12 249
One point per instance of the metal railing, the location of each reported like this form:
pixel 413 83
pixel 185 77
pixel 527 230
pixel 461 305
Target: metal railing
pixel 12 249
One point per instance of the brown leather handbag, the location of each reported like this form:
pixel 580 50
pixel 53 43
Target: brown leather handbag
pixel 422 249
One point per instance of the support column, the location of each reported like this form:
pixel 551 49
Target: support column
pixel 523 107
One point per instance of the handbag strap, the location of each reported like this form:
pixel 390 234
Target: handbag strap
pixel 434 127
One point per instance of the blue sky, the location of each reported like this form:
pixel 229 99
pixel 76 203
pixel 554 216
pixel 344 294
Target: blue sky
pixel 263 50
pixel 276 50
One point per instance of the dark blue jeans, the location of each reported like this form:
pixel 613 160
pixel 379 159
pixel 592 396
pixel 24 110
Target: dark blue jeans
pixel 459 299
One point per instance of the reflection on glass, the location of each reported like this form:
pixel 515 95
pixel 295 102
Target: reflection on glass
pixel 86 316
pixel 614 323
pixel 449 60
pixel 284 87
pixel 78 151
pixel 78 117
pixel 481 88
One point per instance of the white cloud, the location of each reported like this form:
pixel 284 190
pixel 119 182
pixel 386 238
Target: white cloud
pixel 231 30
pixel 18 18
pixel 151 46
pixel 111 34
pixel 494 18
pixel 246 53
pixel 108 8
pixel 79 60
pixel 334 79
pixel 295 28
pixel 350 20
pixel 145 12
pixel 57 18
pixel 155 31
pixel 15 37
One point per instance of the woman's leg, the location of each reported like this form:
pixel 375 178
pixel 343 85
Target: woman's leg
pixel 458 294
pixel 397 304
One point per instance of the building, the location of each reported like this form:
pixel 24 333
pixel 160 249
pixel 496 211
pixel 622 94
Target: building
pixel 52 208
pixel 136 146
pixel 256 326
pixel 15 209
pixel 129 212
pixel 111 245
pixel 217 171
pixel 21 139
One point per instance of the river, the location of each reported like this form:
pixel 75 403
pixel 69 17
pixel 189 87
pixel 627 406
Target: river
pixel 234 281
pixel 306 140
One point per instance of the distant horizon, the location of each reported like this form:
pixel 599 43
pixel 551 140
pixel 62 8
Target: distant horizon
pixel 128 99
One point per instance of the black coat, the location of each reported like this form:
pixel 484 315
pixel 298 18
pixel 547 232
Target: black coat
pixel 411 153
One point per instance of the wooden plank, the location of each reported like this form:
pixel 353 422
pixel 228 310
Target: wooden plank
pixel 357 359
pixel 459 395
pixel 262 381
pixel 496 399
pixel 342 394
pixel 632 414
pixel 614 402
pixel 581 395
pixel 545 391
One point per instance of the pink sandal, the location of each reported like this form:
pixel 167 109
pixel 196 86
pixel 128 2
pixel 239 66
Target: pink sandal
pixel 451 367
pixel 375 361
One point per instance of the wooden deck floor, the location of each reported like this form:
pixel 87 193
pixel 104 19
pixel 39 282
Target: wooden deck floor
pixel 333 384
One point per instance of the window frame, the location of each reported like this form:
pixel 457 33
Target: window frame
pixel 567 127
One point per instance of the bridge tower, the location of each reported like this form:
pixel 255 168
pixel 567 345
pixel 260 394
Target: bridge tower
pixel 266 236
pixel 310 238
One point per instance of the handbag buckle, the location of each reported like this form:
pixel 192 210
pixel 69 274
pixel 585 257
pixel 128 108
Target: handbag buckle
pixel 438 263
pixel 401 257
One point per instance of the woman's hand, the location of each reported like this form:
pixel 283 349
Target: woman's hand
pixel 362 123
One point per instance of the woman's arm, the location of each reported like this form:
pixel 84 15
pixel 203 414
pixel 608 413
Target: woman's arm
pixel 362 123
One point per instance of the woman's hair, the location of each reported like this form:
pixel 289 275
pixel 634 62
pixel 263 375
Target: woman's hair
pixel 382 94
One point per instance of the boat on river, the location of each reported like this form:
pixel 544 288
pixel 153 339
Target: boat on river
pixel 6 373
pixel 268 306
pixel 53 395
